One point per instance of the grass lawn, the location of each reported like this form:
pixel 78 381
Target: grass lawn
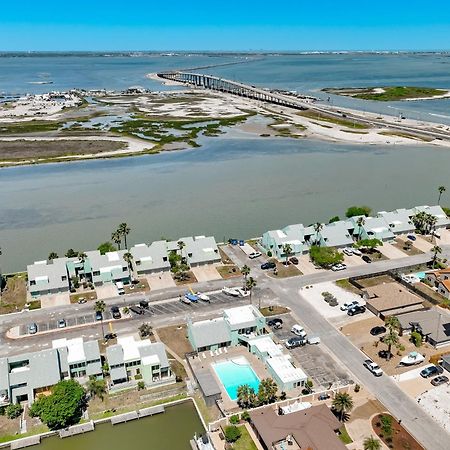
pixel 88 295
pixel 344 436
pixel 274 310
pixel 228 271
pixel 331 119
pixel 14 295
pixel 394 93
pixel 175 337
pixel 283 271
pixel 245 442
pixel 345 284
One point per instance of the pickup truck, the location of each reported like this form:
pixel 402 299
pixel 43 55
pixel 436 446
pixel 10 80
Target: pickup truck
pixel 373 367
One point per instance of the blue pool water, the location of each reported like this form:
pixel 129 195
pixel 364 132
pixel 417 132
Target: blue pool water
pixel 420 275
pixel 235 373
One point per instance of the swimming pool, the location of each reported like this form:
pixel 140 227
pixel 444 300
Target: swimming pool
pixel 235 373
pixel 419 275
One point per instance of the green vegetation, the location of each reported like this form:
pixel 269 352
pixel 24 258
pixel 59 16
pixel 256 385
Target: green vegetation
pixel 353 211
pixel 274 310
pixel 245 442
pixel 267 393
pixel 63 407
pixel 392 337
pixel 395 93
pixel 342 404
pixel 371 443
pixel 334 219
pixel 416 338
pixel 234 419
pixel 33 126
pixel 96 388
pixel 344 436
pixel 368 244
pixel 325 256
pixel 446 210
pixel 106 247
pixel 232 433
pixel 331 119
pixel 14 410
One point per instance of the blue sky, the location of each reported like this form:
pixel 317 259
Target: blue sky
pixel 227 25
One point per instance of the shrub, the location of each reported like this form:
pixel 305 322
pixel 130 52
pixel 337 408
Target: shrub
pixel 234 419
pixel 386 425
pixel 138 376
pixel 358 211
pixel 245 416
pixel 283 395
pixel 232 433
pixel 141 385
pixel 357 387
pixel 269 254
pixel 178 379
pixel 416 338
pixel 14 410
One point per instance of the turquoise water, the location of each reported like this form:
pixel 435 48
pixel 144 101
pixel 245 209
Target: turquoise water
pixel 235 373
pixel 420 275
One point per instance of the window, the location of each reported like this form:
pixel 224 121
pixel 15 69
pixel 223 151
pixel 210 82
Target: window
pixel 32 283
pixel 165 258
pixel 190 255
pixel 96 273
pixel 124 268
pixel 64 278
pixel 138 262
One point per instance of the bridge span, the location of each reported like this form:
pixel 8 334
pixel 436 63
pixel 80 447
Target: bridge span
pixel 232 87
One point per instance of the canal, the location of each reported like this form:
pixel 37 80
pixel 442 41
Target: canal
pixel 169 431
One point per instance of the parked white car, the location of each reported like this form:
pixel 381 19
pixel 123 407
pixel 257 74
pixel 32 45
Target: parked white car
pixel 120 288
pixel 338 267
pixel 254 255
pixel 312 340
pixel 298 330
pixel 356 252
pixel 203 297
pixel 347 306
pixel 348 251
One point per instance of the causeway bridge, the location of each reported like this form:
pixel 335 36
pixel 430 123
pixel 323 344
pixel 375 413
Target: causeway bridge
pixel 232 87
pixel 300 103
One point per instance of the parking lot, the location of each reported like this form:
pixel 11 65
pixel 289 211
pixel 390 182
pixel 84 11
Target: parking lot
pixel 167 307
pixel 314 360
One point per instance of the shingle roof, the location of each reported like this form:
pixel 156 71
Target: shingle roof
pixel 210 332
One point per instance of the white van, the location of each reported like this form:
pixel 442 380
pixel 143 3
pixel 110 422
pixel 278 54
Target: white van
pixel 313 340
pixel 298 330
pixel 120 288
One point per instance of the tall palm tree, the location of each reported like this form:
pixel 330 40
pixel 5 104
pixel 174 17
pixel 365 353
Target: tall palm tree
pixel 117 238
pixel 128 258
pixel 391 339
pixel 249 285
pixel 181 246
pixel 246 272
pixel 370 443
pixel 246 396
pixel 100 307
pixel 360 222
pixel 317 228
pixel 441 190
pixel 52 256
pixel 287 250
pixel 124 230
pixel 342 404
pixel 392 323
pixel 436 251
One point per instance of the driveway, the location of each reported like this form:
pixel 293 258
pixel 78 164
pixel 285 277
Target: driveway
pixel 106 291
pixel 422 244
pixel 445 237
pixel 206 273
pixel 50 301
pixel 306 266
pixel 353 260
pixel 162 280
pixel 390 251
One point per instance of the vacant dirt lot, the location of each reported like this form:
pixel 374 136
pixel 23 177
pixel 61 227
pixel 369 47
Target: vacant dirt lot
pixel 175 337
pixel 18 149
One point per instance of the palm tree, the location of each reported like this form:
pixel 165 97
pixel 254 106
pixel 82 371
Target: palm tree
pixel 117 238
pixel 392 323
pixel 287 250
pixel 246 396
pixel 391 339
pixel 342 404
pixel 267 392
pixel 370 443
pixel 97 388
pixel 246 272
pixel 318 228
pixel 249 285
pixel 52 256
pixel 124 230
pixel 181 246
pixel 436 251
pixel 128 258
pixel 360 222
pixel 99 307
pixel 441 190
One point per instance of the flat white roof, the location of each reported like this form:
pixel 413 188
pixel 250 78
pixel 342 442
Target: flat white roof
pixel 109 269
pixel 240 314
pixel 280 233
pixel 113 256
pixel 146 258
pixel 150 360
pixel 266 345
pixel 42 278
pixel 75 348
pixel 284 369
pixel 130 348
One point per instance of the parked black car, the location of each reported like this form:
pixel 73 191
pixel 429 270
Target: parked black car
pixel 358 309
pixel 98 315
pixel 275 323
pixel 137 310
pixel 441 379
pixel 143 304
pixel 375 331
pixel 110 336
pixel 116 312
pixel 294 260
pixel 366 259
pixel 431 371
pixel 268 265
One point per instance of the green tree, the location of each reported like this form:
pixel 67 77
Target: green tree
pixel 124 231
pixel 117 238
pixel 128 258
pixel 360 222
pixel 246 397
pixel 358 211
pixel 63 407
pixel 145 330
pixel 371 443
pixel 325 256
pixel 342 404
pixel 71 253
pixel 267 391
pixel 386 425
pixel 13 410
pixel 317 228
pixel 249 286
pixel 246 272
pixel 287 250
pixel 391 339
pixel 232 433
pixel 52 256
pixel 181 246
pixel 334 219
pixel 96 387
pixel 106 247
pixel 99 307
pixel 416 338
pixel 446 210
pixel 369 244
pixel 436 251
pixel 441 190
